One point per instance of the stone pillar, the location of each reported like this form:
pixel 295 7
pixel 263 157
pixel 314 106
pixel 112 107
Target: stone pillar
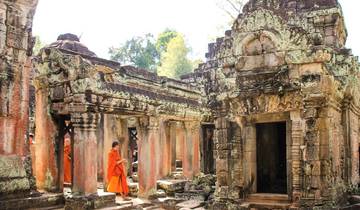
pixel 311 163
pixel 172 136
pixel 85 155
pixel 47 170
pixel 100 148
pixel 180 140
pixel 108 139
pixel 235 162
pixel 196 130
pixel 354 137
pixel 148 133
pixel 294 159
pixel 191 158
pixel 222 159
pixel 250 170
pixel 163 150
pixel 123 137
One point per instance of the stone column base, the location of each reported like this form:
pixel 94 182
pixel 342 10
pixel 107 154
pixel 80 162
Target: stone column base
pixel 90 202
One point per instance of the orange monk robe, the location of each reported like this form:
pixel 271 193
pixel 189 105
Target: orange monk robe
pixel 67 164
pixel 116 175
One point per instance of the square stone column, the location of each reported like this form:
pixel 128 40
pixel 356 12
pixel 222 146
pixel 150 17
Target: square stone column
pixel 46 132
pixel 180 141
pixel 147 167
pixel 164 150
pixel 172 136
pixel 191 158
pixel 221 138
pixel 85 153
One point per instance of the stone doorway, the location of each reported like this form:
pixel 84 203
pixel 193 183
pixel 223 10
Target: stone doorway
pixel 133 150
pixel 271 158
pixel 207 155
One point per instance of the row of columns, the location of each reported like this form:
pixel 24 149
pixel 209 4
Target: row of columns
pixel 157 150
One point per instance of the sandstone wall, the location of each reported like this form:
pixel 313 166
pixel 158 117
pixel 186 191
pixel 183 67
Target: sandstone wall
pixel 15 64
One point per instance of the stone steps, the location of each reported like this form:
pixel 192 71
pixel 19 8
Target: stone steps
pixel 45 201
pixel 58 207
pixel 268 198
pixel 267 201
pixel 120 205
pixel 265 205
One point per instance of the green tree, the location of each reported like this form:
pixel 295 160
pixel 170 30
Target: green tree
pixel 163 40
pixel 174 61
pixel 38 45
pixel 139 51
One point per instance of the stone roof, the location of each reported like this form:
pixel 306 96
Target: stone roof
pixel 71 42
pixel 284 5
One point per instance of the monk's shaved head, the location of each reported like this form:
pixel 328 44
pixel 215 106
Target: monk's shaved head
pixel 115 143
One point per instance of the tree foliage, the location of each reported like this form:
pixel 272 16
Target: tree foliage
pixel 38 45
pixel 138 51
pixel 168 55
pixel 174 61
pixel 164 38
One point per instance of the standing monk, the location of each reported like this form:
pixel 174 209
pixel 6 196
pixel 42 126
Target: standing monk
pixel 116 174
pixel 67 159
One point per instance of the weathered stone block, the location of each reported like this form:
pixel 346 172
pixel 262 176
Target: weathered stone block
pixel 191 204
pixel 12 176
pixel 191 195
pixel 11 167
pixel 171 186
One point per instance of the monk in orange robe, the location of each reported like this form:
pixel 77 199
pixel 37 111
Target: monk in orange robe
pixel 67 159
pixel 116 175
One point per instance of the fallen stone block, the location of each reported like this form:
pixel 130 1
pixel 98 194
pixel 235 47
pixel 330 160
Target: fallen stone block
pixel 191 204
pixel 171 186
pixel 192 195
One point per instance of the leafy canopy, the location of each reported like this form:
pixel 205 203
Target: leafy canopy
pixel 163 40
pixel 168 55
pixel 138 51
pixel 174 61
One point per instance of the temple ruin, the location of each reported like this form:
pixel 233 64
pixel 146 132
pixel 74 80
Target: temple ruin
pixel 273 113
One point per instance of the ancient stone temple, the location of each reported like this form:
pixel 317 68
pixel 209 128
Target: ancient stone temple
pixel 273 112
pixel 284 92
pixel 97 101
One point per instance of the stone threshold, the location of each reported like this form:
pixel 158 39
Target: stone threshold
pixel 267 200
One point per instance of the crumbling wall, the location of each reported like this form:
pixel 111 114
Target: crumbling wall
pixel 15 64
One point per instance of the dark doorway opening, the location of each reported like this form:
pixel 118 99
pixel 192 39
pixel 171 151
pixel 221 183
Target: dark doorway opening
pixel 271 157
pixel 207 149
pixel 133 151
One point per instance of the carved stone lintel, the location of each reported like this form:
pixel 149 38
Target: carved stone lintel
pixel 85 121
pixel 149 123
pixel 192 126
